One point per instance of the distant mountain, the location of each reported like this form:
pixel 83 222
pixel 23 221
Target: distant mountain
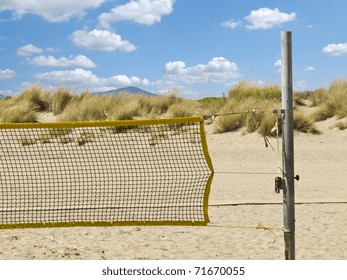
pixel 2 96
pixel 131 90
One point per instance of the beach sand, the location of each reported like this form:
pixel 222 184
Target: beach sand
pixel 241 199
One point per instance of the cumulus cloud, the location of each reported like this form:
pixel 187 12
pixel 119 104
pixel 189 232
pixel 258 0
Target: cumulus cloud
pixel 29 50
pixel 80 78
pixel 217 70
pixel 52 10
pixel 231 23
pixel 141 11
pixel 266 18
pixel 335 49
pixel 101 40
pixel 7 74
pixel 50 61
pixel 278 65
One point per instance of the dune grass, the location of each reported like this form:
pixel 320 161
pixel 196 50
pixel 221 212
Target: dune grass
pixel 246 89
pixel 242 99
pixel 331 102
pixel 123 107
pixel 13 112
pixel 304 123
pixel 24 107
pixel 60 99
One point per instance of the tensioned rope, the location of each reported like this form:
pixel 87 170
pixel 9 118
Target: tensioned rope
pixel 237 113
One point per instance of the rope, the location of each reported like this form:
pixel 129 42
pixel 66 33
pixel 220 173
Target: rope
pixel 206 117
pixel 245 173
pixel 259 226
pixel 248 203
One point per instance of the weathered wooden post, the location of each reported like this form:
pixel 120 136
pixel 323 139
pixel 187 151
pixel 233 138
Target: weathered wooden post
pixel 288 147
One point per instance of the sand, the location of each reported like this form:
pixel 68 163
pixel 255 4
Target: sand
pixel 238 204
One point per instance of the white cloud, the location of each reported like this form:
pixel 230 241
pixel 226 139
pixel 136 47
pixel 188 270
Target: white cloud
pixel 141 11
pixel 335 49
pixel 278 65
pixel 52 10
pixel 50 61
pixel 7 74
pixel 80 78
pixel 310 69
pixel 231 23
pixel 51 49
pixel 69 77
pixel 101 40
pixel 29 50
pixel 266 18
pixel 218 70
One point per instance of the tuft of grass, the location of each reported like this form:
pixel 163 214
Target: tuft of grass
pixel 153 107
pixel 244 118
pixel 85 108
pixel 184 108
pixel 211 105
pixel 24 107
pixel 325 111
pixel 317 97
pixel 267 126
pixel 247 89
pixel 333 102
pixel 60 100
pixel 17 112
pixel 304 123
pixel 40 99
pixel 123 107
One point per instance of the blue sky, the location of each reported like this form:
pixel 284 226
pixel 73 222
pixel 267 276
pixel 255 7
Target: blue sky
pixel 200 47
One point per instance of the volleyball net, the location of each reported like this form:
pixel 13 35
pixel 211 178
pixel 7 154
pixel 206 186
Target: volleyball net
pixel 143 172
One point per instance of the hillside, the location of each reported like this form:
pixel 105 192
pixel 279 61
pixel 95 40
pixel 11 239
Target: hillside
pixel 130 89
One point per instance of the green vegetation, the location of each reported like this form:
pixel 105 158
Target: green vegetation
pixel 251 103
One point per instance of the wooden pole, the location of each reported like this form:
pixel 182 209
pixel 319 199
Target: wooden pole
pixel 288 147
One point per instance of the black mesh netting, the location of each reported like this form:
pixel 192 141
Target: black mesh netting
pixel 103 175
